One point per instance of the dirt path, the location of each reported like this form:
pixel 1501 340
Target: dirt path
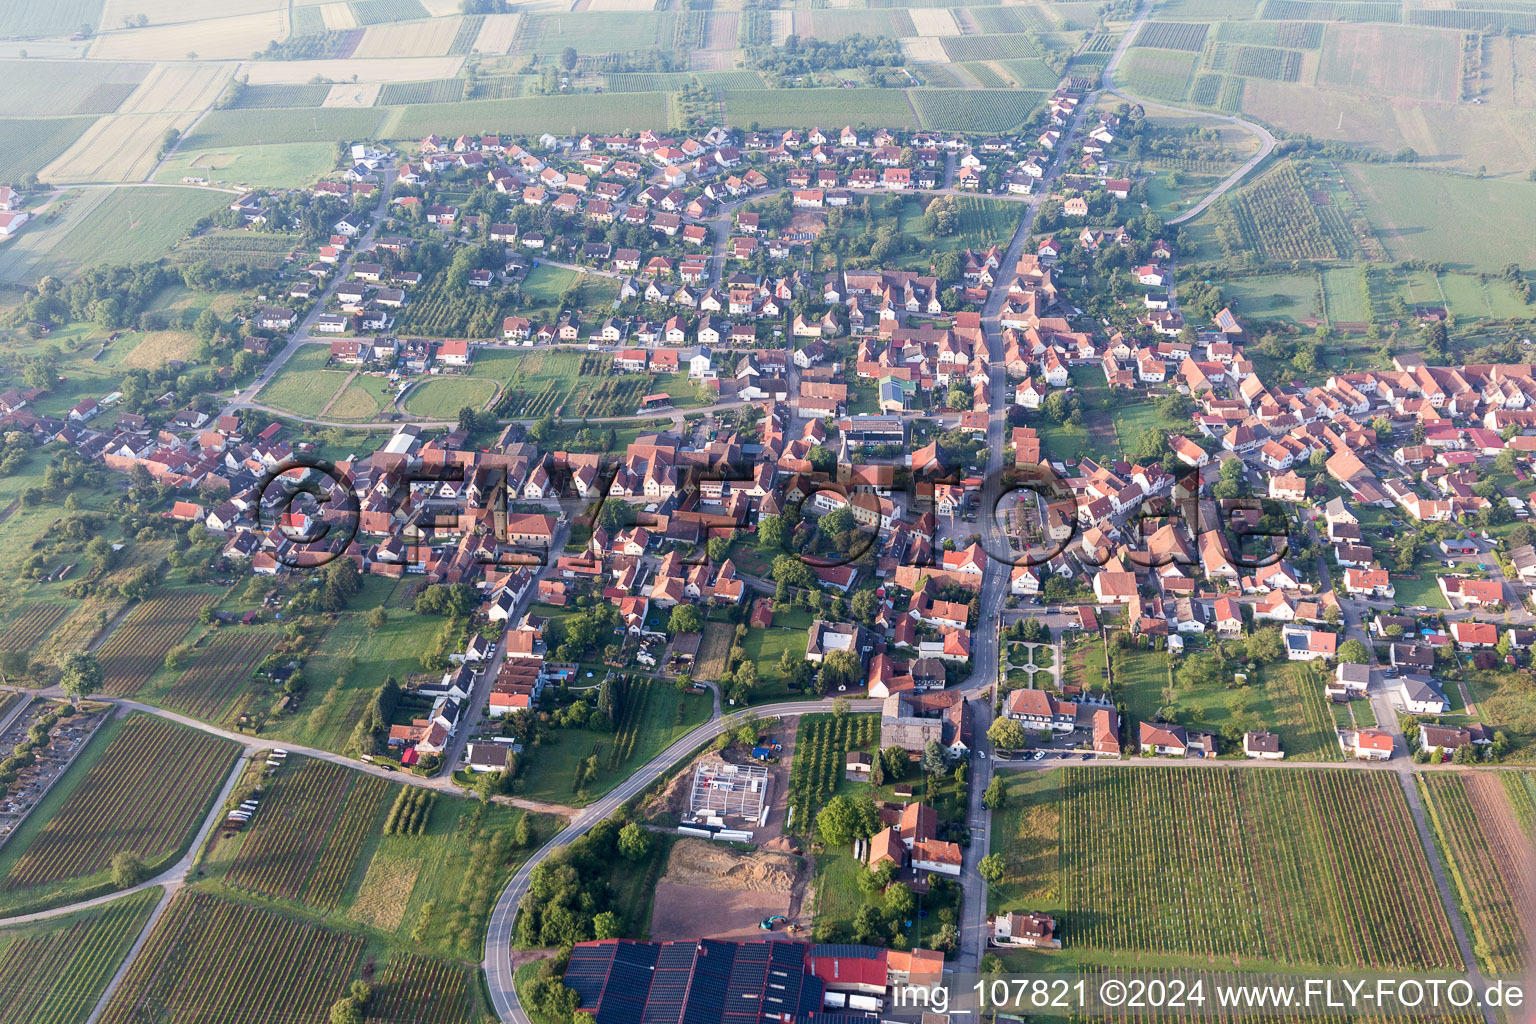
pixel 340 391
pixel 9 510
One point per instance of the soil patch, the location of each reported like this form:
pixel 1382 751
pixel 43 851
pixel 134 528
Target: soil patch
pixel 702 864
pixel 697 911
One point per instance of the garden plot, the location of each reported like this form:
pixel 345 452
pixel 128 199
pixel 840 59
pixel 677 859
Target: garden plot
pixel 338 17
pixel 348 95
pixel 402 69
pixel 170 87
pixel 409 39
pixel 214 39
pixel 497 33
pixel 934 21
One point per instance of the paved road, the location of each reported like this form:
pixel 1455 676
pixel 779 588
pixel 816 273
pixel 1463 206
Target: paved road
pixel 1266 140
pixel 246 397
pixel 499 934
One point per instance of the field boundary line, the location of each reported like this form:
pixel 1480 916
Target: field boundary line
pixel 166 895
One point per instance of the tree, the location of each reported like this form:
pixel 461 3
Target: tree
pixel 1265 645
pixel 607 925
pixel 568 58
pixel 991 868
pixel 377 618
pixel 896 761
pixel 846 819
pixel 770 533
pixel 1354 652
pixel 900 903
pixel 522 837
pixel 634 841
pixel 866 923
pixel 1006 734
pixel 995 797
pixel 345 1011
pixel 81 675
pixel 935 761
pixel 685 618
pixel 127 869
pixel 840 707
pixel 864 606
pixel 13 665
pixel 840 668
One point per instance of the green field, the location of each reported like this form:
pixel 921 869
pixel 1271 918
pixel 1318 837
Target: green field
pixel 1290 297
pixel 596 32
pixel 1346 301
pixel 441 398
pixel 77 953
pixel 767 108
pixel 1413 211
pixel 363 399
pixel 120 225
pixel 228 128
pixel 650 722
pixel 1391 60
pixel 975 110
pixel 1292 867
pixel 304 386
pixel 350 663
pixel 285 166
pixel 588 111
pixel 29 145
pixel 1157 74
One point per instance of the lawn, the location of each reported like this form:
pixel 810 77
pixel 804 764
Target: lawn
pixel 1423 591
pixel 365 398
pixel 764 648
pixel 543 287
pixel 551 767
pixel 304 386
pixel 1495 220
pixel 1347 302
pixel 983 222
pixel 284 165
pixel 120 225
pixel 441 398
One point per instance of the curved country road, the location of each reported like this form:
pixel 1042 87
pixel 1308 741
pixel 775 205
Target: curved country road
pixel 499 933
pixel 1266 140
